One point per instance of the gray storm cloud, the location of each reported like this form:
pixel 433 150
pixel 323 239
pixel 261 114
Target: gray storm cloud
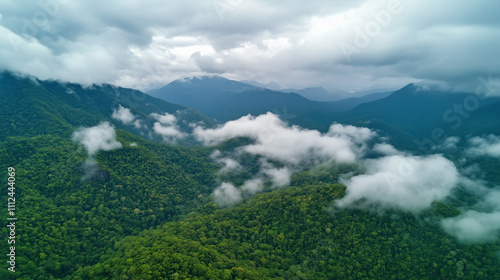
pixel 143 44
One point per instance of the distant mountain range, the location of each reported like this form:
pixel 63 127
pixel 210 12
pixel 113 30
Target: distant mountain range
pixel 419 118
pixel 224 99
pixel 320 94
pixel 412 115
pixel 420 112
pixel 123 207
pixel 197 92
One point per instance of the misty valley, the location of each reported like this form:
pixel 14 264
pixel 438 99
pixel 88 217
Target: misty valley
pixel 210 178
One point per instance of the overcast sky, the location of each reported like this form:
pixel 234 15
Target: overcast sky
pixel 336 44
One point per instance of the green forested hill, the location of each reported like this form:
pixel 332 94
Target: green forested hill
pixel 147 210
pixel 412 114
pixel 293 234
pixel 31 107
pixel 66 223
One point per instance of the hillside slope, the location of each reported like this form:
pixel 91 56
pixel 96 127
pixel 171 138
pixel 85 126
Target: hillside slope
pixel 31 107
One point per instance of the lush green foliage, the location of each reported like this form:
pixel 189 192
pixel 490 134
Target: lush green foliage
pixel 66 223
pixel 148 213
pixel 294 234
pixel 30 107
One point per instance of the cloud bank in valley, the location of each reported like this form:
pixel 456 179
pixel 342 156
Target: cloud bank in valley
pixel 292 147
pixel 394 181
pixel 275 140
pixel 481 223
pixel 402 182
pixel 485 146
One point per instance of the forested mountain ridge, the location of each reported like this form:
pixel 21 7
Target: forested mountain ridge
pixel 409 114
pixel 200 92
pixel 419 110
pixel 293 234
pixel 104 202
pixel 416 118
pixel 32 107
pixel 66 222
pixel 225 100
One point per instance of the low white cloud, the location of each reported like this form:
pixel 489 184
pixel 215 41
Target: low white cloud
pixel 487 146
pixel 139 124
pixel 291 145
pixel 167 131
pixel 280 176
pixel 357 134
pixel 474 227
pixel 407 183
pixel 228 163
pixel 259 128
pixel 480 225
pixel 226 194
pixel 123 114
pixel 253 186
pixel 165 119
pixel 96 138
pixel 385 149
pixel 167 127
pixel 284 149
pixel 449 143
pixel 196 124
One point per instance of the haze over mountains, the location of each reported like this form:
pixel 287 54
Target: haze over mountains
pixel 224 100
pixel 231 140
pixel 428 115
pixel 45 107
pixel 113 171
pixel 413 111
